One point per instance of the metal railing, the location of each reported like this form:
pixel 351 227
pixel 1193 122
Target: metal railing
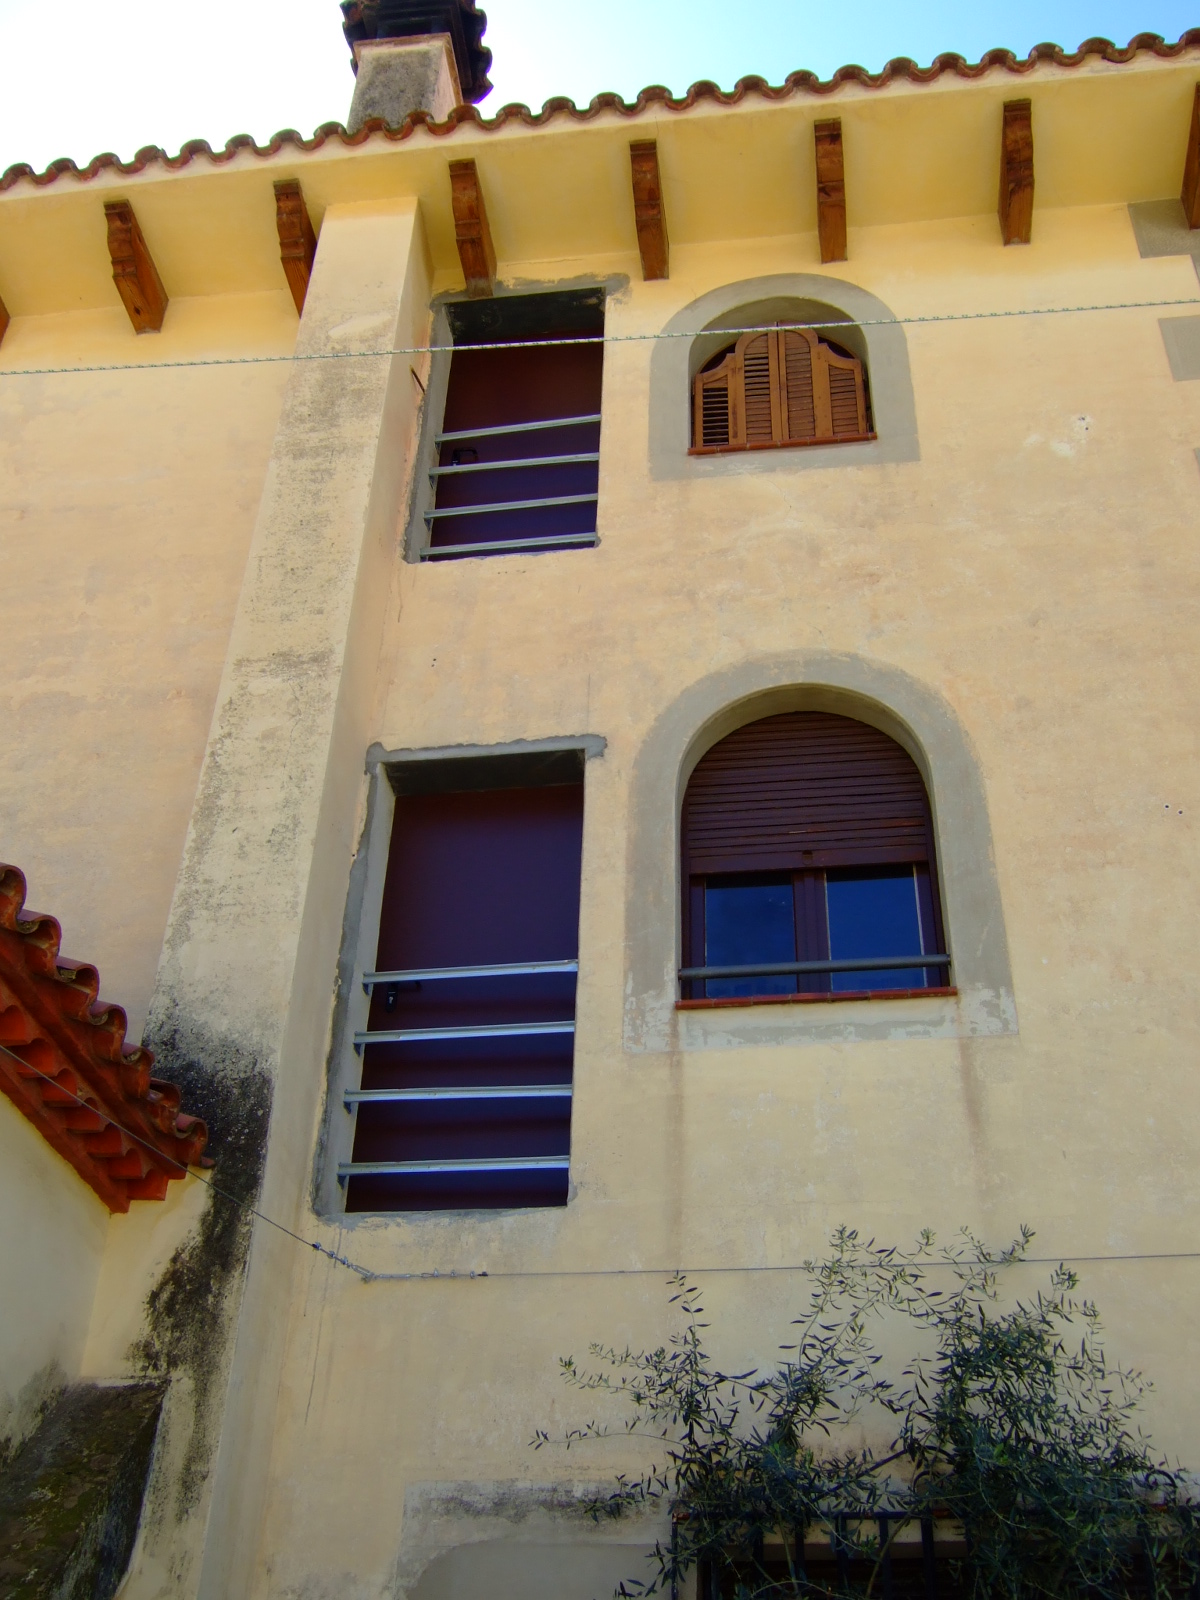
pixel 487 1030
pixel 789 969
pixel 386 1169
pixel 483 1091
pixel 453 1094
pixel 843 1550
pixel 515 427
pixel 519 969
pixel 531 542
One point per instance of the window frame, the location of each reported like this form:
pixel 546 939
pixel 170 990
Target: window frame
pixel 448 331
pixel 736 852
pixel 360 940
pixel 825 357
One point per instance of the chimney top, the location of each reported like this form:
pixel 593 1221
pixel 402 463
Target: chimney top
pixel 407 19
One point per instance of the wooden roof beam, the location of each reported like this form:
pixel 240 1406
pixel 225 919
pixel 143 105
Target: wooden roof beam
pixel 1016 172
pixel 1191 167
pixel 134 272
pixel 297 241
pixel 471 231
pixel 649 213
pixel 831 190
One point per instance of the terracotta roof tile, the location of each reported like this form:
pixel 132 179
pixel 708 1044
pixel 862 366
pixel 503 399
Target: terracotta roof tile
pixel 901 69
pixel 51 1018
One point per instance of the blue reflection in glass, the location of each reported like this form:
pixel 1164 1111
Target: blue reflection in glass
pixel 748 924
pixel 874 913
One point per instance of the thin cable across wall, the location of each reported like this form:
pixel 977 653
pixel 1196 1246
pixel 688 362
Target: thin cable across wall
pixel 367 1275
pixel 844 324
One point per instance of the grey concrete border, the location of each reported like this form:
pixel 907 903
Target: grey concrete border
pixel 919 719
pixel 592 745
pixel 1181 338
pixel 360 939
pixel 1160 229
pixel 517 1540
pixel 884 344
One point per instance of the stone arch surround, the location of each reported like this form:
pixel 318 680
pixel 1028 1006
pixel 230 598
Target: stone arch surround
pixel 925 725
pixel 885 346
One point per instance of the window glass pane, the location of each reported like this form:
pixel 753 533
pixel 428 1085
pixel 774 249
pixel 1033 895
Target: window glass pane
pixel 748 922
pixel 874 912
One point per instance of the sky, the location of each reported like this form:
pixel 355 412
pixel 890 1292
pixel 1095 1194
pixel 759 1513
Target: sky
pixel 78 77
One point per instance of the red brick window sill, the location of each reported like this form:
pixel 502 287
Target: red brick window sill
pixel 815 999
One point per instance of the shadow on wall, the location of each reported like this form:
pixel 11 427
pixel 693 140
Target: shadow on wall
pixel 513 1570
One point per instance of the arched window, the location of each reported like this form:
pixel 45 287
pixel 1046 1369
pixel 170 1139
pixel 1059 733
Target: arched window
pixel 782 386
pixel 809 864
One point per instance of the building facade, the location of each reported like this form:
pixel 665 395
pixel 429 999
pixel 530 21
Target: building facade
pixel 701 535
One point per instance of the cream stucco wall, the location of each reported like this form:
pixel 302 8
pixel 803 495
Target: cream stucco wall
pixel 52 1237
pixel 1033 571
pixel 127 499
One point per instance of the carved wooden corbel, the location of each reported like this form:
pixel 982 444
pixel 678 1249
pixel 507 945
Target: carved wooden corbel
pixel 297 241
pixel 134 272
pixel 1191 167
pixel 1016 172
pixel 831 190
pixel 471 231
pixel 648 210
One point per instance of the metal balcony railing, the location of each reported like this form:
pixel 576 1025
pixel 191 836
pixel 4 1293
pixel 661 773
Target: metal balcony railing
pixel 484 1095
pixel 473 512
pixel 788 969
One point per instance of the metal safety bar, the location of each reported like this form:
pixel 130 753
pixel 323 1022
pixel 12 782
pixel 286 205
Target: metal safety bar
pixel 787 969
pixel 364 1169
pixel 500 466
pixel 499 1030
pixel 434 974
pixel 507 1091
pixel 515 427
pixel 500 546
pixel 512 505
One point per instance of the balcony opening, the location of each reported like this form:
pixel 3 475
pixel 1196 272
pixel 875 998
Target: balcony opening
pixel 517 464
pixel 467 1057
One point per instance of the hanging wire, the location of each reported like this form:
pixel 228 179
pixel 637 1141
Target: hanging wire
pixel 184 1169
pixel 602 339
pixel 368 1276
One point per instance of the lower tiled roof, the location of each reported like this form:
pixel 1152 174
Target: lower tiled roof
pixel 899 70
pixel 62 1046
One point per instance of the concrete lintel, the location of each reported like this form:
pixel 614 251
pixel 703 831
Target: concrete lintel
pixel 593 745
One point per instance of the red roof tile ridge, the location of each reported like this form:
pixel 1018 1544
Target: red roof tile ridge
pixel 899 69
pixel 64 1046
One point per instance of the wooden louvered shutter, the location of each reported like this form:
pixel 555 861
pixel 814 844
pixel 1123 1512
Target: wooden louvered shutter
pixel 847 394
pixel 717 410
pixel 781 386
pixel 798 348
pixel 760 384
pixel 805 790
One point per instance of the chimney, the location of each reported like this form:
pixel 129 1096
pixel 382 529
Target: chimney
pixel 414 55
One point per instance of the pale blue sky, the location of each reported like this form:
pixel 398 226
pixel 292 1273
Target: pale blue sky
pixel 94 82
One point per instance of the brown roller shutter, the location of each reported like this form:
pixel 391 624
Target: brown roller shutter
pixel 804 790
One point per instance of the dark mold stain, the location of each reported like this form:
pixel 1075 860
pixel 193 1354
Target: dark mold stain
pixel 189 1314
pixel 71 1497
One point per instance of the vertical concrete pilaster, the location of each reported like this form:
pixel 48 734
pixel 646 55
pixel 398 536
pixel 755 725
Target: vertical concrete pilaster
pixel 242 1003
